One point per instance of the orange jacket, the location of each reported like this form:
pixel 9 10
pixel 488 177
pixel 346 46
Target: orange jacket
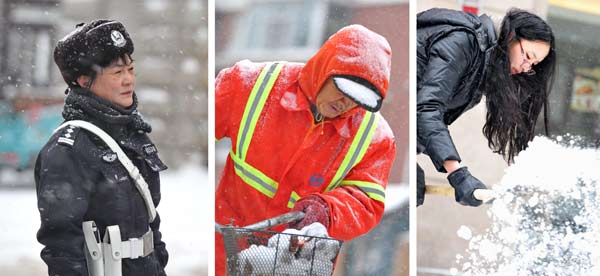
pixel 301 156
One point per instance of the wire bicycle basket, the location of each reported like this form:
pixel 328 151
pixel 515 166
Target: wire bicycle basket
pixel 262 253
pixel 253 251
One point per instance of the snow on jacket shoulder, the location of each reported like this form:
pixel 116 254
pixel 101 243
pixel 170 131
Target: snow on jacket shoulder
pixel 453 50
pixel 301 157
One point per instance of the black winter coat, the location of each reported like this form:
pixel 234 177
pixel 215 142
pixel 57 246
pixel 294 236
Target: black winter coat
pixel 82 180
pixel 453 50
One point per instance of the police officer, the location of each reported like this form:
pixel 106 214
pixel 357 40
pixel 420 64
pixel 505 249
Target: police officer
pixel 78 177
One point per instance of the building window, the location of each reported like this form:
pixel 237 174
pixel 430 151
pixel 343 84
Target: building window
pixel 281 26
pixel 575 97
pixel 28 55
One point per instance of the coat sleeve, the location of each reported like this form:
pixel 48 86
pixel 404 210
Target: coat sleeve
pixel 357 204
pixel 159 246
pixel 232 88
pixel 223 96
pixel 449 58
pixel 63 193
pixel 160 249
pixel 150 166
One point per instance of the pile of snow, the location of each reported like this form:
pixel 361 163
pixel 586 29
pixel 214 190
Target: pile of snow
pixel 308 251
pixel 546 218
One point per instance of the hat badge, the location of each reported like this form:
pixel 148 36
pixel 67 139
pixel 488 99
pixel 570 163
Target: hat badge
pixel 117 38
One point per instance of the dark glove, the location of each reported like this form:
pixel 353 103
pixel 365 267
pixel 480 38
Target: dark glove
pixel 420 185
pixel 464 184
pixel 315 210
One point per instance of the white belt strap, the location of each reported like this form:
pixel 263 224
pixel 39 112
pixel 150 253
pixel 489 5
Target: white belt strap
pixel 138 247
pixel 140 182
pixel 111 247
pixel 104 258
pixel 93 248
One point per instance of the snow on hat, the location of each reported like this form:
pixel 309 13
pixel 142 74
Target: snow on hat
pixel 91 45
pixel 360 91
pixel 357 55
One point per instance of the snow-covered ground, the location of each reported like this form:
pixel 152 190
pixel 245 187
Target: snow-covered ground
pixel 184 211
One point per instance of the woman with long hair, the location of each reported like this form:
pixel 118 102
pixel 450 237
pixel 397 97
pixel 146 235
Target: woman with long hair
pixel 461 58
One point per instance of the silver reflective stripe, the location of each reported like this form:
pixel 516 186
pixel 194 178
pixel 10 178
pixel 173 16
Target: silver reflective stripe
pixel 359 146
pixel 371 190
pixel 292 200
pixel 253 177
pixel 253 109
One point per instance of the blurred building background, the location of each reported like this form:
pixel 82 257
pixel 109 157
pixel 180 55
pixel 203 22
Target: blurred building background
pixel 170 40
pixel 574 108
pixel 293 30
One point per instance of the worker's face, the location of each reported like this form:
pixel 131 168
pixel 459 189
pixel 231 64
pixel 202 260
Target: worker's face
pixel 331 102
pixel 115 82
pixel 525 54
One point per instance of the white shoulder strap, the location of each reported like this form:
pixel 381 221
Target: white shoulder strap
pixel 140 182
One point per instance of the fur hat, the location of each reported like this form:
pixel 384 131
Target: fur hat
pixel 89 47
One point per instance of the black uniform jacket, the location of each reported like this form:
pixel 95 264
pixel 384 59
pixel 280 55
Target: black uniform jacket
pixel 453 50
pixel 78 178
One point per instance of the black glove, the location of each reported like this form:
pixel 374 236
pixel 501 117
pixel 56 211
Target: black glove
pixel 464 184
pixel 420 185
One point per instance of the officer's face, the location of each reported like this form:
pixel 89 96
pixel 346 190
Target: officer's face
pixel 331 102
pixel 116 82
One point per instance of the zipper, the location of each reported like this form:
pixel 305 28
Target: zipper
pixel 297 154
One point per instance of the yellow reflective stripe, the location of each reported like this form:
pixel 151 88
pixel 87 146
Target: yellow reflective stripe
pixel 254 177
pixel 293 198
pixel 357 149
pixel 373 190
pixel 254 106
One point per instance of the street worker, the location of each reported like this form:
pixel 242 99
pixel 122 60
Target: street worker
pixel 307 137
pixel 97 178
pixel 460 58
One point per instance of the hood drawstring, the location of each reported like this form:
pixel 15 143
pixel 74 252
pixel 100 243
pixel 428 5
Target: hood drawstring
pixel 322 126
pixel 318 117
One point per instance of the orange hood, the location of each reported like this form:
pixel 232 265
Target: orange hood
pixel 353 50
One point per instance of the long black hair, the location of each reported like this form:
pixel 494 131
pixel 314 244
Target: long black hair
pixel 514 102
